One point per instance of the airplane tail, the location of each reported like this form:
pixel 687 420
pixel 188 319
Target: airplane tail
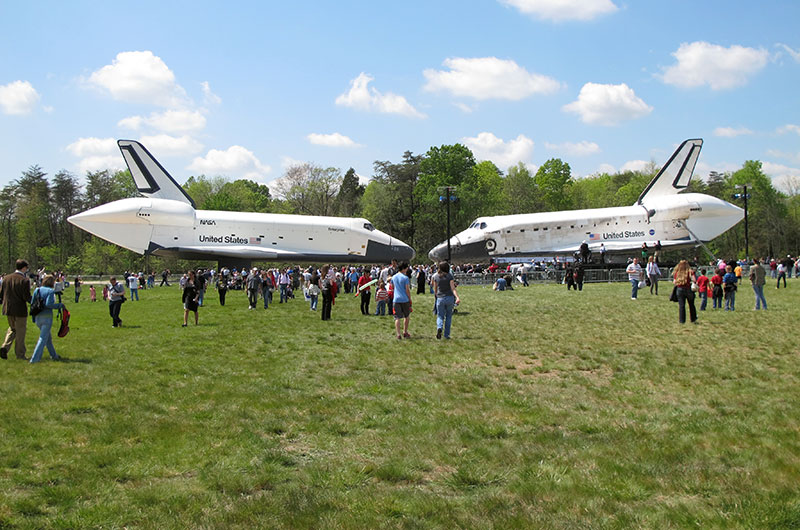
pixel 150 177
pixel 676 173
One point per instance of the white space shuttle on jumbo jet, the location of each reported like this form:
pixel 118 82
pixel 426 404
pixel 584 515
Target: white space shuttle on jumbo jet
pixel 660 214
pixel 164 222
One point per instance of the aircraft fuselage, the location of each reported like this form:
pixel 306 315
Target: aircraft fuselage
pixel 164 227
pixel 619 229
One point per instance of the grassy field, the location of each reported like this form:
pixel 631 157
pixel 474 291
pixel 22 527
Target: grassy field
pixel 548 409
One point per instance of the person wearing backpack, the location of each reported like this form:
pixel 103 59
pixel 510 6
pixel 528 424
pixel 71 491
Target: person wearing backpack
pixel 45 296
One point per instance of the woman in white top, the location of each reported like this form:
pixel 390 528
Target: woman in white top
pixel 653 273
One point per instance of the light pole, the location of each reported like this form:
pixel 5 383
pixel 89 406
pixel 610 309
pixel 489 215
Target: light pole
pixel 446 196
pixel 744 195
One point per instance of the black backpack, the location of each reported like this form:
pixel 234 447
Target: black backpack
pixel 37 304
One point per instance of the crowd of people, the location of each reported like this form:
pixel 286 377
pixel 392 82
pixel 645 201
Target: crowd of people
pixel 720 281
pixel 390 286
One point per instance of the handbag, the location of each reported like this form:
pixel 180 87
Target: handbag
pixel 694 287
pixel 64 328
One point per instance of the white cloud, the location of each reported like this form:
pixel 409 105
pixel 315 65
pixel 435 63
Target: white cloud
pixel 331 140
pixel 287 162
pixel 488 78
pixel 783 177
pixel 635 165
pixel 463 107
pixel 732 132
pixel 487 146
pixel 93 146
pixel 794 157
pixel 362 97
pixel 170 121
pixel 166 145
pixel 18 97
pixel 363 180
pixel 209 98
pixel 235 162
pixel 605 168
pixel 701 63
pixel 795 54
pixel 789 128
pixel 96 154
pixel 561 10
pixel 574 149
pixel 140 77
pixel 608 104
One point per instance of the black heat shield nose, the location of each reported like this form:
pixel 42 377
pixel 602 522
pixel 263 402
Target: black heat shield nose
pixel 381 253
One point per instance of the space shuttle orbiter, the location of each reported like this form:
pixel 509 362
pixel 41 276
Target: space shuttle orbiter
pixel 660 214
pixel 164 222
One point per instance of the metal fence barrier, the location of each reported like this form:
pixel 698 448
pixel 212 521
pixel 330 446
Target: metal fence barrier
pixel 550 276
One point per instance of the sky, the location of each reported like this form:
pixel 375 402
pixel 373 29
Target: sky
pixel 247 89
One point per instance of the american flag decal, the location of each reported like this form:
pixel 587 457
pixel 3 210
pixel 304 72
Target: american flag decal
pixel 255 240
pixel 594 237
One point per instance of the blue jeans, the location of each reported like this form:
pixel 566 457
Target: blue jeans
pixel 381 309
pixel 704 300
pixel 45 324
pixel 265 294
pixel 314 300
pixel 730 301
pixel 444 313
pixel 634 288
pixel 759 290
pixel 134 294
pixel 201 293
pixel 284 292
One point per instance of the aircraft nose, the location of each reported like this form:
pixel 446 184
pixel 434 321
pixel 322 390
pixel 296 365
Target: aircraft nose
pixel 438 253
pixel 402 251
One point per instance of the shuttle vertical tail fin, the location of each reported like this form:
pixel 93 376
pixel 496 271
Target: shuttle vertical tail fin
pixel 150 177
pixel 676 173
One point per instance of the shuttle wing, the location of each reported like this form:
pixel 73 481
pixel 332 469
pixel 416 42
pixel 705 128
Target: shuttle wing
pixel 150 177
pixel 620 246
pixel 241 252
pixel 213 252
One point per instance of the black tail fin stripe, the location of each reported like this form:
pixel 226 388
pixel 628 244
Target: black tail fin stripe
pixel 143 169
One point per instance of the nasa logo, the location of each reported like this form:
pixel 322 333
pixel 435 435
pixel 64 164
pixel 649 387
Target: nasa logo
pixel 207 222
pixel 652 232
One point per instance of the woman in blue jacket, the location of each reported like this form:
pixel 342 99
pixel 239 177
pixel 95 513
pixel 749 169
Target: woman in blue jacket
pixel 44 320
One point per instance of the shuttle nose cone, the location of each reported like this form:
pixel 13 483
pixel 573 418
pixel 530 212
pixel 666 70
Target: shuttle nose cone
pixel 402 251
pixel 438 253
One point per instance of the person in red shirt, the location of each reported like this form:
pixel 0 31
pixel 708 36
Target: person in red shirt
pixel 702 289
pixel 716 290
pixel 365 293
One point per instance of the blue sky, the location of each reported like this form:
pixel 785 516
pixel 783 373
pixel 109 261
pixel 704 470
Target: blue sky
pixel 248 89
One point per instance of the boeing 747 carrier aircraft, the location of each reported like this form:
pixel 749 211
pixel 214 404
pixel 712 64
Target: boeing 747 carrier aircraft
pixel 164 222
pixel 662 214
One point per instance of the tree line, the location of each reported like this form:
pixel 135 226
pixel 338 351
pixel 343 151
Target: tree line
pixel 405 199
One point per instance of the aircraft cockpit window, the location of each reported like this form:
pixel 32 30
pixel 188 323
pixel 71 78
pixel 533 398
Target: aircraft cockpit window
pixel 482 226
pixel 369 226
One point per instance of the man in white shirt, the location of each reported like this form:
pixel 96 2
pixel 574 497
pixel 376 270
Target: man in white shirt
pixel 133 285
pixel 634 271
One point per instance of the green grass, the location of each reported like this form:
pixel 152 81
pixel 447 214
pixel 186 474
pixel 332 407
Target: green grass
pixel 548 409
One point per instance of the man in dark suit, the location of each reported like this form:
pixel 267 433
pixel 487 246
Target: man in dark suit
pixel 16 293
